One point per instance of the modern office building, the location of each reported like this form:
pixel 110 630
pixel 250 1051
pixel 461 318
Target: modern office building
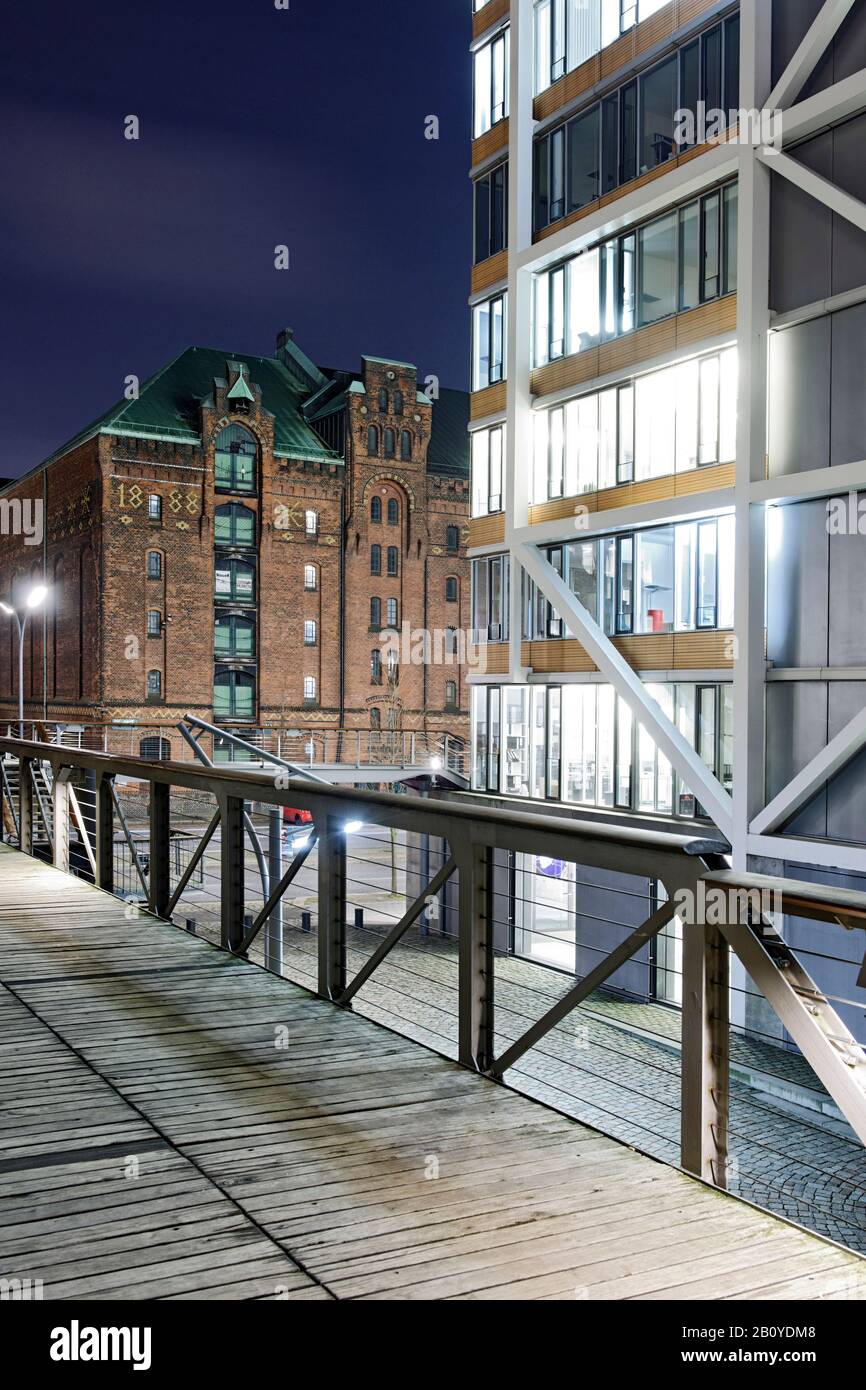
pixel 668 428
pixel 234 539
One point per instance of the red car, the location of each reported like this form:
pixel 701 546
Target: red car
pixel 293 816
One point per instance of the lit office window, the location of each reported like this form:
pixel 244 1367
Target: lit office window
pixel 488 343
pixel 491 83
pixel 488 452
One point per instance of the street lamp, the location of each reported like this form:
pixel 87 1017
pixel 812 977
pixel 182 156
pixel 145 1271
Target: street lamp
pixel 34 599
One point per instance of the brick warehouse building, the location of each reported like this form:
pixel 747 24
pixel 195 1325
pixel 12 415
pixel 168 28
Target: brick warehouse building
pixel 233 542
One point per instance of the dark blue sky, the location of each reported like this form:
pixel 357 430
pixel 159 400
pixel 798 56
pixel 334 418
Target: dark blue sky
pixel 258 127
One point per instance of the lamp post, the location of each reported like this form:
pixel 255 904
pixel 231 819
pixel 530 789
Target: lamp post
pixel 34 599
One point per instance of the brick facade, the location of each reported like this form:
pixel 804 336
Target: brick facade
pixel 89 655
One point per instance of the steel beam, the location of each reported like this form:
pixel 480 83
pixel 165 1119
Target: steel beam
pixel 812 484
pixel 705 1053
pixel 820 770
pixel 399 931
pixel 332 910
pixel 25 805
pixel 160 839
pixel 475 957
pixel 814 45
pixel 645 933
pixel 686 761
pixel 60 795
pixel 191 866
pixel 231 872
pixel 827 1044
pixel 276 895
pixel 104 834
pixel 833 197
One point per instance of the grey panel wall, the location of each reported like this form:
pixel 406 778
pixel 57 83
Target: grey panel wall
pixel 815 252
pixel 796 732
pixel 800 396
pixel 797 585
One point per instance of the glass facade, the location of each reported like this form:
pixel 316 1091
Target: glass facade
pixel 649 120
pixel 672 263
pixel 671 421
pixel 581 745
pixel 662 579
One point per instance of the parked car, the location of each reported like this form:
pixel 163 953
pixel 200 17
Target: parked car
pixel 294 816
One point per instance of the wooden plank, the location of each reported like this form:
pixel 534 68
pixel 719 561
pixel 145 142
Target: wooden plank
pixel 255 1158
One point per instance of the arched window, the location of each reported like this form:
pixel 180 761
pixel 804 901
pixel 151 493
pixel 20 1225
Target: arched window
pixel 375 614
pixel 375 719
pixel 311 578
pixel 310 631
pixel 450 641
pixel 154 685
pixel 376 666
pixel 154 507
pixel 234 637
pixel 311 523
pixel 372 441
pixel 376 509
pixel 155 749
pixel 405 445
pixel 234 694
pixel 383 401
pixel 235 580
pixel 450 694
pixel 393 560
pixel 235 461
pixel 398 402
pixel 154 622
pixel 154 564
pixel 234 525
pixel 452 539
pixel 393 512
pixel 310 690
pixel 391 613
pixel 375 559
pixel 392 668
pixel 389 444
pixel 451 589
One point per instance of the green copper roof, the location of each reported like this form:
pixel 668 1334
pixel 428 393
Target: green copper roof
pixel 168 403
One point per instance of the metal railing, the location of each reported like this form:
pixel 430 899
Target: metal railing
pixel 360 748
pixel 447 872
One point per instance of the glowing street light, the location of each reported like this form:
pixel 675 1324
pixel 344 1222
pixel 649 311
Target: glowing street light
pixel 34 599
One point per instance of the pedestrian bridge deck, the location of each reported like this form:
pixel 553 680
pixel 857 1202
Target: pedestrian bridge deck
pixel 176 1123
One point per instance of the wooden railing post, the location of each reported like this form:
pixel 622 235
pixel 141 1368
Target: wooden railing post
pixel 25 806
pixel 104 847
pixel 232 872
pixel 159 881
pixel 475 956
pixel 705 1053
pixel 60 796
pixel 332 909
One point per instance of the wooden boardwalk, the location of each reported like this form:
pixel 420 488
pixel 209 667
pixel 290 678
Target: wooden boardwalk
pixel 178 1124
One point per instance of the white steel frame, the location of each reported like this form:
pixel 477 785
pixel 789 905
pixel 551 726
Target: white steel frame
pixel 745 818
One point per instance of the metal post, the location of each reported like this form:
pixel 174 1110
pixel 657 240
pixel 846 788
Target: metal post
pixel 332 910
pixel 21 629
pixel 232 872
pixel 705 1044
pixel 25 806
pixel 160 837
pixel 60 795
pixel 476 988
pixel 274 929
pixel 104 847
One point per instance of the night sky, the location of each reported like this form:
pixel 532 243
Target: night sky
pixel 258 127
